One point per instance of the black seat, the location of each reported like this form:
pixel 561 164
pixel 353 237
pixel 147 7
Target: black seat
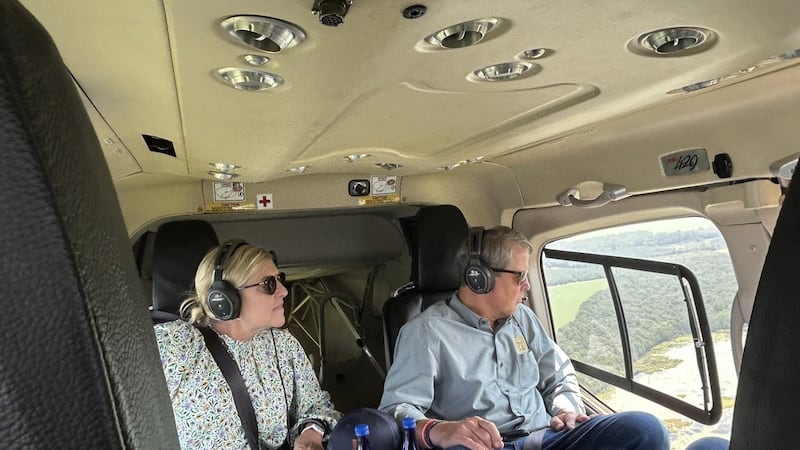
pixel 437 258
pixel 178 249
pixel 80 366
pixel 767 396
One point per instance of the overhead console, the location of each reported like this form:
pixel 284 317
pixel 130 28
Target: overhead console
pixel 322 240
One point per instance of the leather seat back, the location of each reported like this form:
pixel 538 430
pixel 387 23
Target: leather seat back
pixel 438 257
pixel 767 395
pixel 79 357
pixel 178 249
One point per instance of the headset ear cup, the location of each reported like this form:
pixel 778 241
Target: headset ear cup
pixel 223 300
pixel 479 277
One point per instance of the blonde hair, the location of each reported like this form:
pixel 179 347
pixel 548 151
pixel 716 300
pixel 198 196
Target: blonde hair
pixel 245 262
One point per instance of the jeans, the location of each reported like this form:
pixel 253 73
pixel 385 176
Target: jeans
pixel 632 430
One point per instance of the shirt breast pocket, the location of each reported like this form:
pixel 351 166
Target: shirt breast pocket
pixel 527 371
pixel 526 376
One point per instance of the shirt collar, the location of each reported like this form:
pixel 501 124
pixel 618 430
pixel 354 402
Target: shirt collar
pixel 469 317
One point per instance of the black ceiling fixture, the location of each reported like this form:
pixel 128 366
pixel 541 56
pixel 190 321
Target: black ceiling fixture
pixel 159 145
pixel 415 11
pixel 331 12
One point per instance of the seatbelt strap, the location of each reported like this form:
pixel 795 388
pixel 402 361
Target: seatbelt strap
pixel 230 370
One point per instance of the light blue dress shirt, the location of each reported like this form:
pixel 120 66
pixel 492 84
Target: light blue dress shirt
pixel 450 365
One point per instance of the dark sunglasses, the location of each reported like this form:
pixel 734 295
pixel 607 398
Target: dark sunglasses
pixel 521 276
pixel 270 283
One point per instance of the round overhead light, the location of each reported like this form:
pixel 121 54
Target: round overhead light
pixel 264 33
pixel 355 157
pixel 675 41
pixel 256 60
pixel 534 53
pixel 248 79
pixel 224 167
pixel 463 34
pixel 501 72
pixel 224 176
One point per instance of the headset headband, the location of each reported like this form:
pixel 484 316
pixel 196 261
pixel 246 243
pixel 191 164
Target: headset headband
pixel 225 253
pixel 475 241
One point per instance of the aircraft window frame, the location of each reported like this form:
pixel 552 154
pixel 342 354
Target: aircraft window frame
pixel 698 322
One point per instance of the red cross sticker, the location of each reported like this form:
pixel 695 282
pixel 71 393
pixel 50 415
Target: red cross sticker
pixel 264 201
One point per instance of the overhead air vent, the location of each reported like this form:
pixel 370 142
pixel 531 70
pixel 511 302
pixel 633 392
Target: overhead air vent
pixel 503 71
pixel 675 41
pixel 159 145
pixel 462 35
pixel 415 11
pixel 534 53
pixel 264 33
pixel 248 79
pixel 256 60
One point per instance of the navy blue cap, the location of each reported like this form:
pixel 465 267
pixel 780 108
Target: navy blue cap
pixel 384 433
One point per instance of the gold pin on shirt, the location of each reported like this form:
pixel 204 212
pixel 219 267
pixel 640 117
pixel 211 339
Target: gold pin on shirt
pixel 522 346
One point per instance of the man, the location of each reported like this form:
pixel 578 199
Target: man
pixel 478 371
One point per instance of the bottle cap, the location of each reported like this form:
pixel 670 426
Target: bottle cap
pixel 409 422
pixel 362 429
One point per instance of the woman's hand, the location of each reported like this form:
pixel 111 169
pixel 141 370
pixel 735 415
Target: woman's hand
pixel 308 440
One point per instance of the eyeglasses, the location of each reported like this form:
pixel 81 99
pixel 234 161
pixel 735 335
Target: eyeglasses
pixel 270 283
pixel 521 276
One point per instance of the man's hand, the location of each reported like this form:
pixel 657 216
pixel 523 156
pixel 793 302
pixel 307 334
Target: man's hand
pixel 567 420
pixel 308 440
pixel 475 433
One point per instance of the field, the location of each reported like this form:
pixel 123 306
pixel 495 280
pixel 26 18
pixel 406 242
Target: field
pixel 566 299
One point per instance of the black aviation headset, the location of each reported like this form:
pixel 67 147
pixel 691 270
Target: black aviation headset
pixel 478 276
pixel 223 298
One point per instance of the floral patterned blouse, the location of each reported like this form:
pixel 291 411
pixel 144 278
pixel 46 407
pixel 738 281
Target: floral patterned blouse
pixel 205 413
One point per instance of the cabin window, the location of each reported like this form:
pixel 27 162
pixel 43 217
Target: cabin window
pixel 644 312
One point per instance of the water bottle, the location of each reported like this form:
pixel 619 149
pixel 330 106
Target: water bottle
pixel 362 437
pixel 409 434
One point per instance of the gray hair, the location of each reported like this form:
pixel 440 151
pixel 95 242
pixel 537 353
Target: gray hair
pixel 498 244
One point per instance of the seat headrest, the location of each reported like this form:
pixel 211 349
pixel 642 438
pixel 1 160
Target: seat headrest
pixel 440 252
pixel 177 251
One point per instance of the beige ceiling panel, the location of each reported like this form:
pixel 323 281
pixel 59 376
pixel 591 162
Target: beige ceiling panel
pixel 427 122
pixel 119 53
pixel 120 161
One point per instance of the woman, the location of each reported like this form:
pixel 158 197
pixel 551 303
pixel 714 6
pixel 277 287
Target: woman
pixel 286 396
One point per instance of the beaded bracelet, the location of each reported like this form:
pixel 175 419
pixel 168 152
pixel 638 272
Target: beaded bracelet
pixel 426 432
